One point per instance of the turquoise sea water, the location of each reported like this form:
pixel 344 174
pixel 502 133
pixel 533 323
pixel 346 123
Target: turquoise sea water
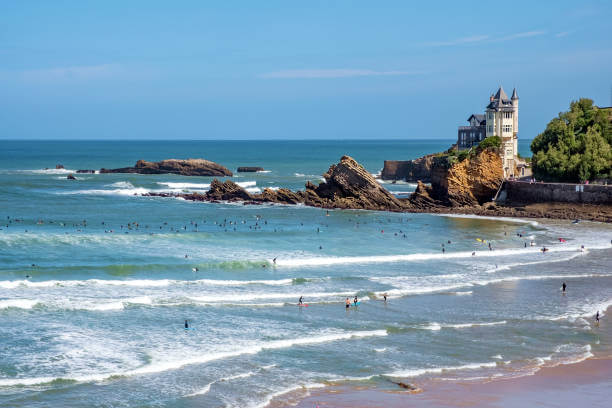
pixel 113 276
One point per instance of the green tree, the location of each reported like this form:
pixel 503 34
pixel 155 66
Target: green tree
pixel 575 146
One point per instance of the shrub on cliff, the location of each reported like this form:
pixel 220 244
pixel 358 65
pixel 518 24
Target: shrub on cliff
pixel 490 142
pixel 575 146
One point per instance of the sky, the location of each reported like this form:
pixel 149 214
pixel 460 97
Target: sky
pixel 292 69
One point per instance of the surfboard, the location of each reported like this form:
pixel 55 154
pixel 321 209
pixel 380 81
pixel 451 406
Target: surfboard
pixel 356 304
pixel 303 305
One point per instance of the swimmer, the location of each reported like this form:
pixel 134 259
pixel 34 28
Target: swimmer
pixel 355 301
pixel 186 324
pixel 563 287
pixel 473 253
pixel 348 303
pixel 443 250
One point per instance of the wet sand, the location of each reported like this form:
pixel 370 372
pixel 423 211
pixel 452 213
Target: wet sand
pixel 585 384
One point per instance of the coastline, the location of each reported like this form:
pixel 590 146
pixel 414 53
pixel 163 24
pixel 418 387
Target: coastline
pixel 568 384
pixel 586 383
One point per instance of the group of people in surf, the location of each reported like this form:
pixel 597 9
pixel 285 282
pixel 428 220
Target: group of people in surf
pixel 564 288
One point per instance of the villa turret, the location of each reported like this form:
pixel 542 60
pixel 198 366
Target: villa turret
pixel 500 119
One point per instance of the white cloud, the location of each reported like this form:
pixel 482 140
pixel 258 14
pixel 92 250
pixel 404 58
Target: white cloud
pixel 478 39
pixel 83 72
pixel 332 73
pixel 521 35
pixel 458 41
pixel 563 34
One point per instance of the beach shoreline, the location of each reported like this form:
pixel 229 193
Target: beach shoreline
pixel 566 384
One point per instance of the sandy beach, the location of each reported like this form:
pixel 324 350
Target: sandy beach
pixel 584 384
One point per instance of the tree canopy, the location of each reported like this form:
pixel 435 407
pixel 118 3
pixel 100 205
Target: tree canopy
pixel 575 146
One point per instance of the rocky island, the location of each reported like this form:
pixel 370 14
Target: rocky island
pixel 189 167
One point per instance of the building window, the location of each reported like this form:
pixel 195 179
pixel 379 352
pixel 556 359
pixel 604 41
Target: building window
pixel 508 115
pixel 507 128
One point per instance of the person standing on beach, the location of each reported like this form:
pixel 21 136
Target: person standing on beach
pixel 563 287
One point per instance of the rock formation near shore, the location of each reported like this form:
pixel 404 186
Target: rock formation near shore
pixel 189 167
pixel 409 170
pixel 471 182
pixel 249 169
pixel 347 185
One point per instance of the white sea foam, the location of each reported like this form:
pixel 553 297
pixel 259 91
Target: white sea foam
pixel 284 391
pixel 438 370
pixel 46 171
pixel 18 303
pixel 484 217
pixel 346 260
pixel 166 365
pixel 236 297
pixel 185 186
pixel 141 283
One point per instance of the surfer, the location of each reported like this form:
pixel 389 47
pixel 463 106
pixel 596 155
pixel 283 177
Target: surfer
pixel 274 261
pixel 597 317
pixel 348 303
pixel 473 253
pixel 563 287
pixel 385 296
pixel 301 301
pixel 186 325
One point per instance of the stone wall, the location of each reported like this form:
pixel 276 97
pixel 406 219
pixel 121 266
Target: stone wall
pixel 526 193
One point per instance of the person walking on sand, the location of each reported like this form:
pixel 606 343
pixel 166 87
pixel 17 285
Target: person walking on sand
pixel 348 303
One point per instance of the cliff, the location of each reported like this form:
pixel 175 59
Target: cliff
pixel 408 170
pixel 189 167
pixel 473 181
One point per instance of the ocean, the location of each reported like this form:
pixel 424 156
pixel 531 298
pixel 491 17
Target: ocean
pixel 96 282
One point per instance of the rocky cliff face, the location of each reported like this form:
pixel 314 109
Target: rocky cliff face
pixel 409 170
pixel 473 181
pixel 189 167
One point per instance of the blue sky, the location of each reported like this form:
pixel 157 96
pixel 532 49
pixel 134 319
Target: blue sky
pixel 292 70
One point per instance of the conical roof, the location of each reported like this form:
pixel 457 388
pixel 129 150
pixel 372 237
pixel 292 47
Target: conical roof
pixel 501 95
pixel 514 94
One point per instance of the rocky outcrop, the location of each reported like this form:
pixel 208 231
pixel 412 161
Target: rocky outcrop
pixel 226 191
pixel 86 171
pixel 471 182
pixel 408 170
pixel 189 167
pixel 347 185
pixel 249 169
pixel 59 166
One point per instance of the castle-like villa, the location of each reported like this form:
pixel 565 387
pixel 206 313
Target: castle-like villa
pixel 500 119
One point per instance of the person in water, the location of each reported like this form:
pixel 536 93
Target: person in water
pixel 385 297
pixel 563 287
pixel 301 301
pixel 186 324
pixel 348 303
pixel 355 301
pixel 597 317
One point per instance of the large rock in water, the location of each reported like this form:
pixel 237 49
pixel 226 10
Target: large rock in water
pixel 189 167
pixel 226 191
pixel 348 185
